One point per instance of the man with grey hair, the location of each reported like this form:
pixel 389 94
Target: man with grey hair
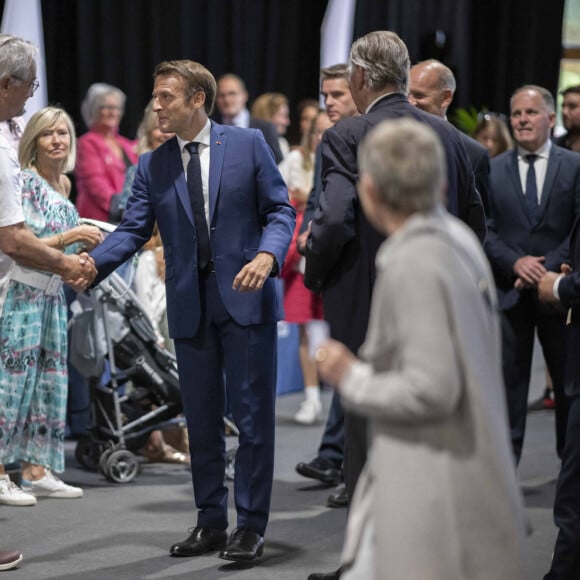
pixel 427 368
pixel 17 84
pixel 534 201
pixel 431 88
pixel 341 251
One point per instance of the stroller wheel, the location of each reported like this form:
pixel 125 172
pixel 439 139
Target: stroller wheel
pixel 103 460
pixel 121 466
pixel 87 453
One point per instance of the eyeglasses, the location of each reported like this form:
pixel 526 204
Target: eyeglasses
pixel 31 85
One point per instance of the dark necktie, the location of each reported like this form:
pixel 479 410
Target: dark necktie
pixel 195 189
pixel 532 188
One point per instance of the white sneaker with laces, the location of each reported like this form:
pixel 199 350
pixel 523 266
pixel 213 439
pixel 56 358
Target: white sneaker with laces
pixel 310 410
pixel 51 486
pixel 11 494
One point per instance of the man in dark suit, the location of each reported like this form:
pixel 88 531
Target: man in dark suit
pixel 535 197
pixel 431 88
pixel 231 101
pixel 341 251
pixel 338 103
pixel 564 288
pixel 327 465
pixel 222 307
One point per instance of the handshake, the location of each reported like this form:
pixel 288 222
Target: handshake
pixel 79 271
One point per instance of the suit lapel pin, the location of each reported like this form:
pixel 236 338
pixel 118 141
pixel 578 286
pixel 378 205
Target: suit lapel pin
pixel 218 142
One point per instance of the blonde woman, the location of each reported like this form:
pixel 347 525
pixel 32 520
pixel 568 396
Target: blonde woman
pixel 33 339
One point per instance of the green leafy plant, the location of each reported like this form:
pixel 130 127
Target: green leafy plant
pixel 466 119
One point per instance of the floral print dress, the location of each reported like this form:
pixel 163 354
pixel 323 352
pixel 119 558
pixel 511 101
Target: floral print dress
pixel 33 346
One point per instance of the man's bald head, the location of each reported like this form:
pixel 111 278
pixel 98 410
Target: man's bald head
pixel 431 87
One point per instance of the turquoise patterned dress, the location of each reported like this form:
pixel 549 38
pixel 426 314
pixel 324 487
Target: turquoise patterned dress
pixel 33 346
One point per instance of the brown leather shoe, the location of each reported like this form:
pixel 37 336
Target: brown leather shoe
pixel 200 541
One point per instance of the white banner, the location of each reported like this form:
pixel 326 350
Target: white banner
pixel 336 32
pixel 24 18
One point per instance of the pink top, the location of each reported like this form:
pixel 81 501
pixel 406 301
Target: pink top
pixel 99 173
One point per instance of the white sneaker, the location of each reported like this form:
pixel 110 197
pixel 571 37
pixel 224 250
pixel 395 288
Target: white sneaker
pixel 51 486
pixel 310 410
pixel 11 494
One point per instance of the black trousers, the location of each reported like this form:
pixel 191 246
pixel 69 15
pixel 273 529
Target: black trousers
pixel 523 320
pixel 566 560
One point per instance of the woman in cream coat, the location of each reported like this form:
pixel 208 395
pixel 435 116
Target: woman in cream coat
pixel 438 499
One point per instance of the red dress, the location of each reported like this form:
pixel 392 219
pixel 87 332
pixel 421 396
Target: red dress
pixel 300 304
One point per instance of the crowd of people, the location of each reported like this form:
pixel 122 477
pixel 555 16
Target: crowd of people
pixel 380 203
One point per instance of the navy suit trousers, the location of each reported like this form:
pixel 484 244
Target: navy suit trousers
pixel 226 360
pixel 566 560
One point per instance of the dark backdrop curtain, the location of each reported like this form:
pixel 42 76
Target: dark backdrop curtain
pixel 273 44
pixel 515 42
pixel 493 46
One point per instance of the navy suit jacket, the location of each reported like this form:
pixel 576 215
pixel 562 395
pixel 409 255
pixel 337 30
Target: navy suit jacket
pixel 313 198
pixel 511 233
pixel 340 256
pixel 479 158
pixel 270 134
pixel 268 130
pixel 569 291
pixel 249 213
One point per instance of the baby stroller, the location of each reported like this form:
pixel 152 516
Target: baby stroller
pixel 141 390
pixel 108 324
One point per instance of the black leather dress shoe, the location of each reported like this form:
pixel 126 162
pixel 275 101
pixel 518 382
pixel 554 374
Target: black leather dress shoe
pixel 200 541
pixel 339 497
pixel 320 469
pixel 243 546
pixel 326 575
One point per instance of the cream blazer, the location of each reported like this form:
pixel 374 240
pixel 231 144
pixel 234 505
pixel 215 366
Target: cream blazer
pixel 440 485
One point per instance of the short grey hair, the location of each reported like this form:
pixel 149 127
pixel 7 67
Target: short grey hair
pixel 546 95
pixel 41 120
pixel 384 58
pixel 95 97
pixel 406 162
pixel 16 56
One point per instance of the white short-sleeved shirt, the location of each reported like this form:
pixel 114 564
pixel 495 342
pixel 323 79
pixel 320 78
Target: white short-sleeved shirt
pixel 10 198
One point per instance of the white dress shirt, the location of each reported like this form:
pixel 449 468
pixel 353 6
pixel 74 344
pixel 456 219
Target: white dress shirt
pixel 540 166
pixel 203 138
pixel 10 196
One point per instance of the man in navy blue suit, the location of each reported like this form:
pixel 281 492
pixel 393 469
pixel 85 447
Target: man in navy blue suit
pixel 223 213
pixel 534 200
pixel 564 288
